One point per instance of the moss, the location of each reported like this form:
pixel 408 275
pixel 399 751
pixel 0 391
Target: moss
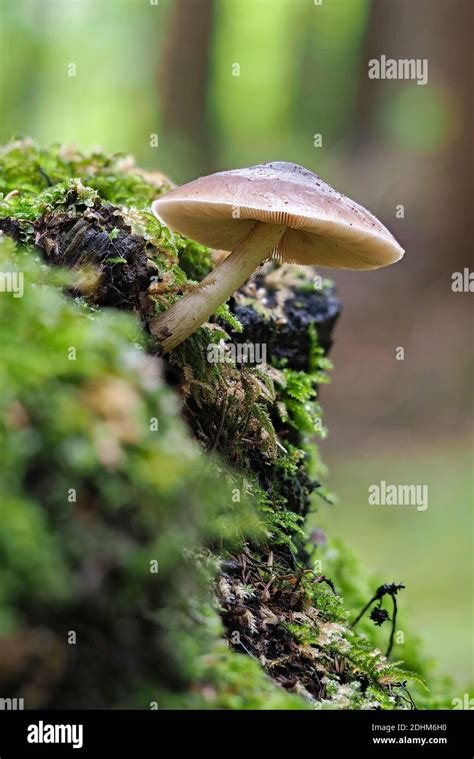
pixel 100 480
pixel 226 680
pixel 143 495
pixel 116 178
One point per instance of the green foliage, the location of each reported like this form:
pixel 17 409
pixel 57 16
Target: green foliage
pixel 319 364
pixel 284 527
pixel 194 259
pixel 298 405
pixel 225 315
pixel 229 680
pixel 33 170
pixel 36 181
pixel 429 690
pixel 27 207
pixel 240 683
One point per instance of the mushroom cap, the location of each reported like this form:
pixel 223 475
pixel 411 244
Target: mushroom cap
pixel 324 226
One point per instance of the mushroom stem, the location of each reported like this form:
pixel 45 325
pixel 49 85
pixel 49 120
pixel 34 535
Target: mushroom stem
pixel 184 317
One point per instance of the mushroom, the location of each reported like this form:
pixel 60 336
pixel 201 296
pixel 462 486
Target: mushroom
pixel 278 210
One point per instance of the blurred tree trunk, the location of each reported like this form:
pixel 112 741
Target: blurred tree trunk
pixel 183 80
pixel 438 31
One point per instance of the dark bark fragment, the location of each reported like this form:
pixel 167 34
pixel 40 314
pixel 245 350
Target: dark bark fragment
pixel 100 239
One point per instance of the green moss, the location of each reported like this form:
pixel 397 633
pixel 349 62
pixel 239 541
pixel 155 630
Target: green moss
pixel 428 689
pixel 227 680
pixel 32 170
pixel 100 478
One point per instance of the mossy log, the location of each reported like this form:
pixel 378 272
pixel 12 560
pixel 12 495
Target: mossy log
pixel 255 615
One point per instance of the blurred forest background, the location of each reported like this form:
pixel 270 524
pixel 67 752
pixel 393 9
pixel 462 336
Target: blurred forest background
pixel 193 86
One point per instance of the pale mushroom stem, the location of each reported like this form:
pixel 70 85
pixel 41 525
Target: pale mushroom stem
pixel 184 317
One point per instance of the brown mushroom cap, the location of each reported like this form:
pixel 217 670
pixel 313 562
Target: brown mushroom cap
pixel 324 226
